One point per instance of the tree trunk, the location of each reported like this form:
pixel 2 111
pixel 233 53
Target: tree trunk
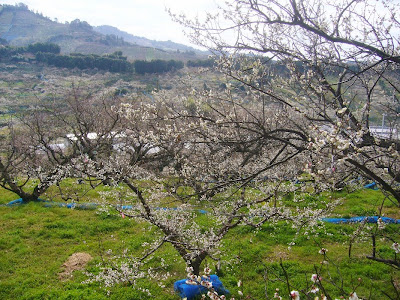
pixel 26 198
pixel 196 262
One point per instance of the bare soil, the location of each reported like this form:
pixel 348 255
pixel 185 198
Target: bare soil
pixel 76 261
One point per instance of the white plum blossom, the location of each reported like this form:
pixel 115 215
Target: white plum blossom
pixel 381 224
pixel 276 295
pixel 314 289
pixel 323 251
pixel 396 247
pixel 353 296
pixel 315 278
pixel 295 295
pixel 206 283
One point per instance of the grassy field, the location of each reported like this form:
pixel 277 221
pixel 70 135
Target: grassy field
pixel 35 241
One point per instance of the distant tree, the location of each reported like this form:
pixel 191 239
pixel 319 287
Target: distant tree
pixel 174 65
pixel 78 24
pixel 140 66
pixel 22 6
pixel 44 47
pixel 206 63
pixel 76 60
pixel 6 52
pixel 156 66
pixel 112 40
pixel 3 42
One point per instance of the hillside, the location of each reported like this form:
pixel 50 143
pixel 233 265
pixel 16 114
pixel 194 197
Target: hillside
pixel 19 27
pixel 142 41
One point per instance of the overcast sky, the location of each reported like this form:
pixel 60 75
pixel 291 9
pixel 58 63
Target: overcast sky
pixel 146 18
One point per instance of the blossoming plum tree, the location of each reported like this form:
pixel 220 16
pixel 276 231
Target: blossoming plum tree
pixel 176 164
pixel 40 144
pixel 333 65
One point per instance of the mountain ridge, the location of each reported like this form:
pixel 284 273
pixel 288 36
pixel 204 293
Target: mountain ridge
pixel 20 26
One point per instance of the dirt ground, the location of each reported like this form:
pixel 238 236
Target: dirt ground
pixel 76 261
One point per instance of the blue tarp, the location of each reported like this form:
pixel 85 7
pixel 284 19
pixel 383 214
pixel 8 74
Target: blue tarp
pixel 191 291
pixel 360 219
pixel 373 219
pixel 51 204
pixel 15 202
pixel 87 205
pixel 20 201
pixel 372 186
pixel 73 205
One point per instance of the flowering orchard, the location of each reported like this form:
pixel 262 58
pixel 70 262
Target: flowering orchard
pixel 305 82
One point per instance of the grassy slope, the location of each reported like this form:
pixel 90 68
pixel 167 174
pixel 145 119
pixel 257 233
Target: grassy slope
pixel 35 241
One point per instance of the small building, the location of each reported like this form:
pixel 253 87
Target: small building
pixel 384 132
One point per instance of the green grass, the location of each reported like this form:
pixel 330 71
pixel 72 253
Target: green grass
pixel 35 241
pixel 366 202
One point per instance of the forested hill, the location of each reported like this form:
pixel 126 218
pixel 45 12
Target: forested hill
pixel 20 26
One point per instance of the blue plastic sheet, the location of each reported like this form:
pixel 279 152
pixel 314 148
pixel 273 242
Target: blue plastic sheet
pixel 372 186
pixel 373 219
pixel 20 201
pixel 191 291
pixel 15 202
pixel 87 205
pixel 51 204
pixel 73 205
